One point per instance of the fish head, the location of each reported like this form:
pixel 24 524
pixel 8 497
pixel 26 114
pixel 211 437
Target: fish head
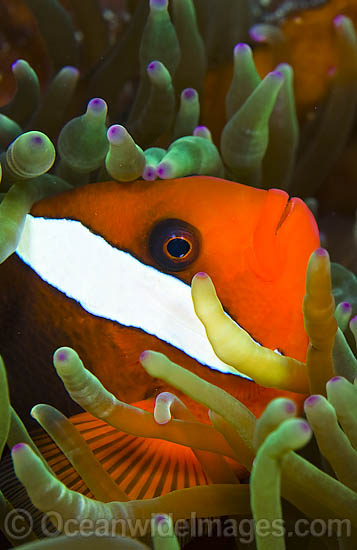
pixel 127 253
pixel 255 244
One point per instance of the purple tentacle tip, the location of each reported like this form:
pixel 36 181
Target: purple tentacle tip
pixel 256 34
pixel 304 426
pixel 189 93
pixel 153 66
pixel 289 407
pixel 241 47
pixel 62 356
pixel 160 518
pixel 202 132
pixel 158 4
pixel 70 69
pixel 339 20
pixel 116 133
pixel 18 447
pixel 321 252
pixel 16 64
pixel 160 171
pixel 163 170
pixel 335 379
pixel 312 400
pixel 276 74
pixel 97 104
pixel 149 173
pixel 144 355
pixel 346 306
pixel 37 140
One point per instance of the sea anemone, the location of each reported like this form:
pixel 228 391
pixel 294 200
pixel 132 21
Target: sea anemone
pixel 277 469
pixel 260 144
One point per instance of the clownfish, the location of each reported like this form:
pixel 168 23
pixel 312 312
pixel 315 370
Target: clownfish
pixel 106 269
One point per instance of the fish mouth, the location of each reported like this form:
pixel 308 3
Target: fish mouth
pixel 266 255
pixel 286 213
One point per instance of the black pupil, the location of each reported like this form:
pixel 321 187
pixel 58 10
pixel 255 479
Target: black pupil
pixel 178 247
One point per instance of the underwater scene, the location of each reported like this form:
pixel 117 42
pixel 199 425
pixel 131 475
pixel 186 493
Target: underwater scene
pixel 178 271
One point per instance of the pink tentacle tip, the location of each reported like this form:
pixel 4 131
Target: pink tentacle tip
pixel 312 400
pixel 201 275
pixel 346 306
pixel 332 70
pixel 18 447
pixel 321 252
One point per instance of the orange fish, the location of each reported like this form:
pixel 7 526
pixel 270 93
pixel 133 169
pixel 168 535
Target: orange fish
pixel 106 269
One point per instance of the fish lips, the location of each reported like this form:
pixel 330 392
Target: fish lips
pixel 282 236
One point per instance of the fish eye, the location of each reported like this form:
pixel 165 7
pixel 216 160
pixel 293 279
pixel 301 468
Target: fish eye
pixel 174 244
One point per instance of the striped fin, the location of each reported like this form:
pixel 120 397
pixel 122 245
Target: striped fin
pixel 143 468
